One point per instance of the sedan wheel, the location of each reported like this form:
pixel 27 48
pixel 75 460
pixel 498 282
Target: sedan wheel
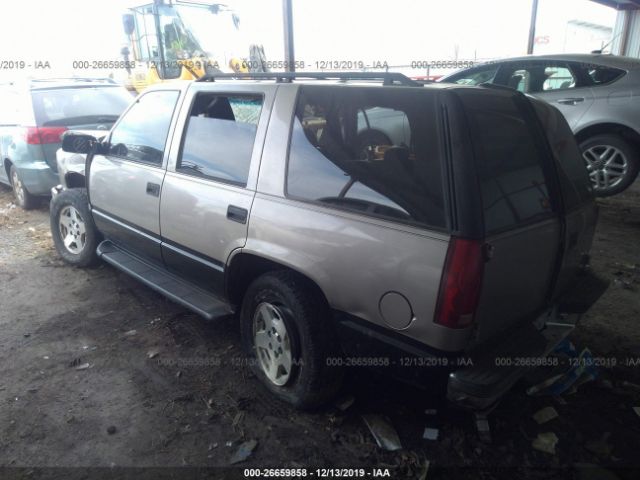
pixel 612 163
pixel 607 166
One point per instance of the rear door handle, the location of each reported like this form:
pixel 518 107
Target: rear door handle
pixel 237 214
pixel 153 189
pixel 571 101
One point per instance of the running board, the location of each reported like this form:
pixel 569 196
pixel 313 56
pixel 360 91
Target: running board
pixel 182 292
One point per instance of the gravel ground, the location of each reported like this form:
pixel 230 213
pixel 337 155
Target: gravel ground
pixel 97 370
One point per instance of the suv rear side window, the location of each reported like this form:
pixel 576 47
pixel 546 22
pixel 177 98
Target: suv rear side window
pixel 219 137
pixel 509 162
pixel 141 134
pixel 370 151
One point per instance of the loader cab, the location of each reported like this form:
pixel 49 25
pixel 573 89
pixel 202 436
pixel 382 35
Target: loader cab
pixel 182 40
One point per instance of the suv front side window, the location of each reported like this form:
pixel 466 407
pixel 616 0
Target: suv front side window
pixel 219 137
pixel 141 134
pixel 370 151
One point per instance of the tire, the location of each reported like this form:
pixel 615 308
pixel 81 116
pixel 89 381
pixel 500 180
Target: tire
pixel 309 336
pixel 71 221
pixel 612 163
pixel 23 198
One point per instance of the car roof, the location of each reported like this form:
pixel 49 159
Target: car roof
pixel 72 82
pixel 604 59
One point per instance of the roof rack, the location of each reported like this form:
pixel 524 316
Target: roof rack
pixel 388 78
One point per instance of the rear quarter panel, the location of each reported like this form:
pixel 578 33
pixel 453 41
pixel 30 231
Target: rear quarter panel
pixel 353 259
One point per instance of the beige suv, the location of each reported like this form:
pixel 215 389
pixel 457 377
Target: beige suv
pixel 347 220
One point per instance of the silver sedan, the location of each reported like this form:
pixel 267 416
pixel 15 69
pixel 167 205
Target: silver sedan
pixel 599 95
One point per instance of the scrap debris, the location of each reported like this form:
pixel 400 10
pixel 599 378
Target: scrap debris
pixel 482 425
pixel 384 433
pixel 545 415
pixel 344 403
pixel 545 442
pixel 582 370
pixel 430 433
pixel 243 452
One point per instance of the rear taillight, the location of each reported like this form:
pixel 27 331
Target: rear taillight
pixel 40 135
pixel 461 283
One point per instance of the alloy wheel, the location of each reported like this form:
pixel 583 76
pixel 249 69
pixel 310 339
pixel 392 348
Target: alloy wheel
pixel 72 230
pixel 18 187
pixel 272 343
pixel 607 166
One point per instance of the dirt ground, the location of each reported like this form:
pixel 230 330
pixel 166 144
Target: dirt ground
pixel 97 370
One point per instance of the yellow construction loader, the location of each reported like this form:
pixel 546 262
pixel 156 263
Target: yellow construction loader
pixel 174 40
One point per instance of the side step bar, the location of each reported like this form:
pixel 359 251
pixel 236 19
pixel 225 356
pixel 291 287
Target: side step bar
pixel 201 302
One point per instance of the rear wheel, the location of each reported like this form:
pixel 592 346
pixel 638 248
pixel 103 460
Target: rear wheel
pixel 23 198
pixel 74 233
pixel 612 163
pixel 289 339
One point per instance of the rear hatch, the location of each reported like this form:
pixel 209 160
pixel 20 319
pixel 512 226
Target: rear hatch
pixel 532 252
pixel 87 107
pixel 580 209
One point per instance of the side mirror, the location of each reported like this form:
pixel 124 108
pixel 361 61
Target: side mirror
pixel 74 142
pixel 128 23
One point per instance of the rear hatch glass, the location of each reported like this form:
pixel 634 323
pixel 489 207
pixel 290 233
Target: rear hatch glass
pixel 89 107
pixel 77 108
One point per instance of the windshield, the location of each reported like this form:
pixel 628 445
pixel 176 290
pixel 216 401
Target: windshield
pixel 193 31
pixel 67 106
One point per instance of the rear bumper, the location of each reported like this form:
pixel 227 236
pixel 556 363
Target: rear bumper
pixel 37 177
pixel 478 378
pixel 492 373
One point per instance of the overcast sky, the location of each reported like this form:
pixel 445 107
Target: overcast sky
pixel 398 31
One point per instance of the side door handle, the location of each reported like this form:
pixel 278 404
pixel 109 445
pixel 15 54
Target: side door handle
pixel 237 214
pixel 571 101
pixel 153 189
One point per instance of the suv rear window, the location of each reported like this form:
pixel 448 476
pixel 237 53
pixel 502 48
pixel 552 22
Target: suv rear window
pixel 508 160
pixel 370 151
pixel 77 106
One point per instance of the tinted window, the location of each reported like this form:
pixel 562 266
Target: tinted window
pixel 75 106
pixel 603 75
pixel 573 176
pixel 509 163
pixel 558 78
pixel 538 77
pixel 368 150
pixel 475 76
pixel 142 133
pixel 219 137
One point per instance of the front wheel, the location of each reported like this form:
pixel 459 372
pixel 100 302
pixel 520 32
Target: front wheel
pixel 288 336
pixel 612 163
pixel 74 233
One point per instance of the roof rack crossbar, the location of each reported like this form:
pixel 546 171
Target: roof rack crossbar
pixel 388 78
